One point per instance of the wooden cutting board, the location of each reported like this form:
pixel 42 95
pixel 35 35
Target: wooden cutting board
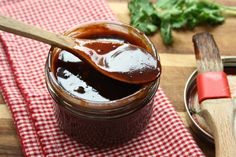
pixel 178 62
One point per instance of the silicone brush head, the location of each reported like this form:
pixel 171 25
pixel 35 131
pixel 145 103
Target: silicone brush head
pixel 211 80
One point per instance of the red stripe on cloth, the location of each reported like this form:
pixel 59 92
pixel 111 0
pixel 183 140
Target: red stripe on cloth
pixel 23 87
pixel 22 119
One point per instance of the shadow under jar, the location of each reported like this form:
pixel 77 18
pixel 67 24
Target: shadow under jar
pixel 90 107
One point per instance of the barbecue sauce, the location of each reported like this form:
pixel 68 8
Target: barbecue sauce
pixel 82 81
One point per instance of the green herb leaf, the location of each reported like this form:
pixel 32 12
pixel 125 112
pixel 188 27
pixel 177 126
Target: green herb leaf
pixel 166 32
pixel 144 16
pixel 175 14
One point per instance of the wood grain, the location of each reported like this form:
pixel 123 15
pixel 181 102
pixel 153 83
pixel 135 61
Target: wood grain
pixel 219 115
pixel 11 25
pixel 178 63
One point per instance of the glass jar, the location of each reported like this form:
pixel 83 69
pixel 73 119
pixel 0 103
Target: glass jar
pixel 102 123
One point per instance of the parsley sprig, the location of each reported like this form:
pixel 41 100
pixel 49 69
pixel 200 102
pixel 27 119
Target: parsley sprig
pixel 166 15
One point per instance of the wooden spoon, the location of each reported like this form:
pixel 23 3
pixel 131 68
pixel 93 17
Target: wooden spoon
pixel 124 62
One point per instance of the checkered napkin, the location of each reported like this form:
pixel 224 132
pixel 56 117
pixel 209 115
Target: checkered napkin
pixel 22 84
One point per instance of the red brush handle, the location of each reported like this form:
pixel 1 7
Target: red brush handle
pixel 212 85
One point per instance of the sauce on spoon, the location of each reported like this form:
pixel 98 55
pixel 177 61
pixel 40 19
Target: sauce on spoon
pixel 120 61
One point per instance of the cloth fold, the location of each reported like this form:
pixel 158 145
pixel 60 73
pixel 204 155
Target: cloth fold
pixel 23 87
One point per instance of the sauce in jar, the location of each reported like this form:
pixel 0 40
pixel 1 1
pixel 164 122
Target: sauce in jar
pixel 81 80
pixel 84 82
pixel 90 107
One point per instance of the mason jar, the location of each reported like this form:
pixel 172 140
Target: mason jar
pixel 93 121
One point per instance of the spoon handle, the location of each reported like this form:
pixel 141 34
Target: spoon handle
pixel 22 29
pixel 219 114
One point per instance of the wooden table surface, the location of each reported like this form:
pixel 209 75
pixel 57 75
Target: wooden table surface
pixel 178 63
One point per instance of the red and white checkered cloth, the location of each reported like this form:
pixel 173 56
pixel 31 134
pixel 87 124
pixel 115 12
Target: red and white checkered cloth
pixel 22 84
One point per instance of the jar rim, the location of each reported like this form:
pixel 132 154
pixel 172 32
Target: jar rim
pixel 99 105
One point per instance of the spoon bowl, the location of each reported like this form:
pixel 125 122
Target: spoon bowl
pixel 120 61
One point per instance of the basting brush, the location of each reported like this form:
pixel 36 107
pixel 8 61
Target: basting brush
pixel 217 106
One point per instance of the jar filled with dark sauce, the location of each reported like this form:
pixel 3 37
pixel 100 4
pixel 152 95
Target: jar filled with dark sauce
pixel 96 110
